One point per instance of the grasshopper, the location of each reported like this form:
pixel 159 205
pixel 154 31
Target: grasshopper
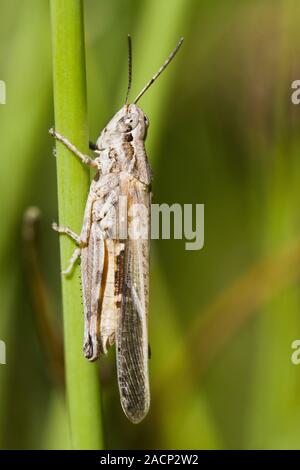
pixel 114 260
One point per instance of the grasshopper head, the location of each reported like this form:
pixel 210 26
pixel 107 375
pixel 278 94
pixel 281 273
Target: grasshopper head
pixel 132 120
pixel 128 124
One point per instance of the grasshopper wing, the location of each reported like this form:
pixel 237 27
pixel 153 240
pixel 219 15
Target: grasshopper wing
pixel 132 328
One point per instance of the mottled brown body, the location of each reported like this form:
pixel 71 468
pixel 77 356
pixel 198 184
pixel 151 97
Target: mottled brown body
pixel 114 248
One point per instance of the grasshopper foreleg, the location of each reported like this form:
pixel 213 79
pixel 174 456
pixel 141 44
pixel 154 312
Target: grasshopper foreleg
pixel 84 158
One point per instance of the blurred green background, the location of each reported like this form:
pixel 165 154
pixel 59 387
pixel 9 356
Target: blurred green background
pixel 224 133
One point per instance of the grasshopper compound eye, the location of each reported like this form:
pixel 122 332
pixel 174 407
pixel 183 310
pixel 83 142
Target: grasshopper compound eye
pixel 128 123
pixel 131 120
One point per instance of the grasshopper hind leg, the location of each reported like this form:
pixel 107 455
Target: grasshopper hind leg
pixel 92 260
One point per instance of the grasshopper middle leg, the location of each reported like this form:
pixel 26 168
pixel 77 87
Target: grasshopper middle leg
pixel 77 252
pixel 76 255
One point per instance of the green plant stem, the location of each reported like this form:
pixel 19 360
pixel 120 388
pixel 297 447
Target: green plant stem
pixel 83 388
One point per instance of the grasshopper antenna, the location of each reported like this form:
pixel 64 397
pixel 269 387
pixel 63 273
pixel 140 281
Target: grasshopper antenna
pixel 129 68
pixel 162 68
